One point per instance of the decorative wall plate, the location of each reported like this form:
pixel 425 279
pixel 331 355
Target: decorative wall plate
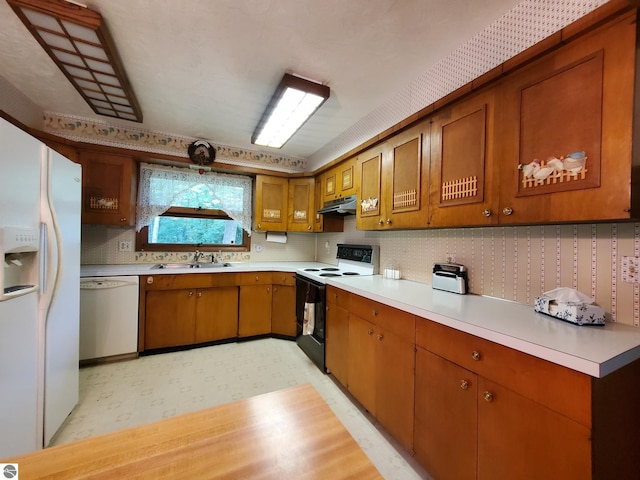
pixel 201 153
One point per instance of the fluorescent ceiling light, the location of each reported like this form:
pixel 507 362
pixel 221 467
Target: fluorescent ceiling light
pixel 293 102
pixel 79 43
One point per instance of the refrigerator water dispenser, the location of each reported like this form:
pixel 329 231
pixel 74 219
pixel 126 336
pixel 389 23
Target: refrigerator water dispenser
pixel 19 247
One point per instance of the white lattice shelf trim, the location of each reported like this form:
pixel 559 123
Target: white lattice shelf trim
pixel 461 188
pixel 408 198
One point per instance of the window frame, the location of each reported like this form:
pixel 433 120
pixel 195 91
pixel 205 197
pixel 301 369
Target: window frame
pixel 142 237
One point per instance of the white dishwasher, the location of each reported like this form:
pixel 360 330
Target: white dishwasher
pixel 108 316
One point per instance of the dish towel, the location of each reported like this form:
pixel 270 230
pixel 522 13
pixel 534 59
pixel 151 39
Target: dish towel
pixel 309 320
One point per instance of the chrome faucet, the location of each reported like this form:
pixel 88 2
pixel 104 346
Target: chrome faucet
pixel 196 256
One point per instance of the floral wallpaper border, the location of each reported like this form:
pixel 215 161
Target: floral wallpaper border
pixel 183 257
pixel 102 133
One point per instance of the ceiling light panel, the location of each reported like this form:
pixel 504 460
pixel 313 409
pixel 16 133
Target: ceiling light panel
pixel 79 43
pixel 291 105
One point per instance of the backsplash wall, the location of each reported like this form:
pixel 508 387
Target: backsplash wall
pixel 513 263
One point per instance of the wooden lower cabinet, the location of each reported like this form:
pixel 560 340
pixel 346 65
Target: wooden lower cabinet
pixel 283 305
pixel 255 304
pixel 337 336
pixel 446 418
pixel 170 318
pixel 216 314
pixel 362 362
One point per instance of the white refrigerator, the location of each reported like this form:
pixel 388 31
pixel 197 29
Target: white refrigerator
pixel 40 199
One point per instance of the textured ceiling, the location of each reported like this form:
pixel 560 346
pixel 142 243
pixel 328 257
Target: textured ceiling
pixel 207 68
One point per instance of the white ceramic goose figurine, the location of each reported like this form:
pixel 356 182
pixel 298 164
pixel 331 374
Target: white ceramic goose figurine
pixel 530 169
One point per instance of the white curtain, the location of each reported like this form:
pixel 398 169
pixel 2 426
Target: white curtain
pixel 160 186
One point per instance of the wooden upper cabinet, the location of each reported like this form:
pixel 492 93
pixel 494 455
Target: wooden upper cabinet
pixel 339 181
pixel 301 216
pixel 108 189
pixel 393 180
pixel 272 195
pixel 578 98
pixel 369 177
pixel 462 149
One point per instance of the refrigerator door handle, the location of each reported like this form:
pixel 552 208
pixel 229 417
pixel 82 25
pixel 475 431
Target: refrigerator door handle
pixel 52 247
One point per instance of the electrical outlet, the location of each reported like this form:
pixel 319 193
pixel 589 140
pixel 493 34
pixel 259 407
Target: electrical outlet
pixel 630 269
pixel 451 257
pixel 124 246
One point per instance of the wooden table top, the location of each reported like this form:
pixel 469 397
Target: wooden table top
pixel 287 434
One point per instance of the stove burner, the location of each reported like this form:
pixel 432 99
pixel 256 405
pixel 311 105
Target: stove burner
pixel 330 274
pixel 330 269
pixel 350 273
pixel 311 270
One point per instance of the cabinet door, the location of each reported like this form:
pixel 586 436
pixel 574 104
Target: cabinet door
pixel 395 385
pixel 369 172
pixel 216 314
pixel 301 205
pixel 577 98
pixel 272 194
pixel 362 362
pixel 462 147
pixel 170 318
pixel 255 310
pixel 405 194
pixel 446 418
pixel 283 310
pixel 337 342
pixel 107 189
pixel 519 438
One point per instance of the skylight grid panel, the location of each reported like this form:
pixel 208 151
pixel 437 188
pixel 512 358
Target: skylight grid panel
pixel 80 32
pixel 68 58
pixel 129 117
pixel 96 95
pixel 84 84
pixel 114 91
pixel 102 67
pixel 99 103
pixel 92 51
pixel 55 40
pixel 107 79
pixel 42 20
pixel 123 109
pixel 105 111
pixel 79 72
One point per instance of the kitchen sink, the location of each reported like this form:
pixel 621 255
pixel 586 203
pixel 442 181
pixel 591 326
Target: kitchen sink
pixel 173 266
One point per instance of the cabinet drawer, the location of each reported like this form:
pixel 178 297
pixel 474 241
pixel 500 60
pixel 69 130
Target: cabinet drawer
pixel 391 319
pixel 283 278
pixel 255 278
pixel 187 280
pixel 559 388
pixel 338 297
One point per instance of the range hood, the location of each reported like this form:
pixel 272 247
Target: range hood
pixel 340 206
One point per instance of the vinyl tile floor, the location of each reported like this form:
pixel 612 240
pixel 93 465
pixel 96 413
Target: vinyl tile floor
pixel 129 393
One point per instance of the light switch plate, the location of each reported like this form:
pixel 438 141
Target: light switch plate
pixel 630 269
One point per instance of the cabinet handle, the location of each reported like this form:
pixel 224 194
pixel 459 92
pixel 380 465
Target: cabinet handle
pixel 191 294
pixel 257 278
pixel 268 290
pixel 275 289
pixel 379 336
pixel 199 294
pixel 380 222
pixel 507 211
pixel 488 396
pixel 388 221
pixel 486 212
pixel 375 313
pixel 123 220
pixel 149 280
pixel 308 227
pixel 259 226
pixel 464 384
pixel 369 332
pixel 475 355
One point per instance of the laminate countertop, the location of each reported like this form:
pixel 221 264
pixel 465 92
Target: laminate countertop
pixel 594 350
pixel 286 434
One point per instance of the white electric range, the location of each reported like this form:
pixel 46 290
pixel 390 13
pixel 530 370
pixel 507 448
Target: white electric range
pixel 311 295
pixel 352 260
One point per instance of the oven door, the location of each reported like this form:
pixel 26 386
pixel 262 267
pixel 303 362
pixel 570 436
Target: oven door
pixel 308 291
